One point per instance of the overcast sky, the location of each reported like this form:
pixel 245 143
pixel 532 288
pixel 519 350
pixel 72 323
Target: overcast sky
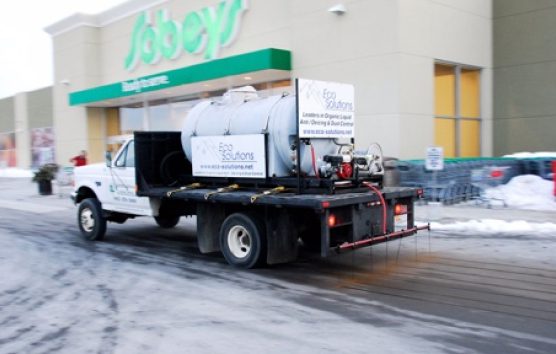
pixel 26 49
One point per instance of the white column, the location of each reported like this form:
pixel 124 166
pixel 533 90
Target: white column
pixel 22 132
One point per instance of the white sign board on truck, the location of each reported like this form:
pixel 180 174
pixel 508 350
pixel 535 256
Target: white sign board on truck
pixel 229 156
pixel 325 109
pixel 435 158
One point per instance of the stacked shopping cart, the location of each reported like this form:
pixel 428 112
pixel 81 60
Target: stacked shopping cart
pixel 460 180
pixel 64 181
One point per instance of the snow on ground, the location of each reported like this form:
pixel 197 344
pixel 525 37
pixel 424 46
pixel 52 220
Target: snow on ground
pixel 70 299
pixel 15 173
pixel 522 192
pixel 528 155
pixel 496 227
pixel 526 192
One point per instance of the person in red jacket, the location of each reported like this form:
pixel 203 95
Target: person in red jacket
pixel 79 160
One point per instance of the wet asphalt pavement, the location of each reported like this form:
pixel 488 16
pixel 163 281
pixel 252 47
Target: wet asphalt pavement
pixel 148 290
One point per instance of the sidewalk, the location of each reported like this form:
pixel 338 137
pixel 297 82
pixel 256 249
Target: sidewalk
pixel 22 194
pixel 460 212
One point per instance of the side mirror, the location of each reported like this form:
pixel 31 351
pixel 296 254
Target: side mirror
pixel 108 159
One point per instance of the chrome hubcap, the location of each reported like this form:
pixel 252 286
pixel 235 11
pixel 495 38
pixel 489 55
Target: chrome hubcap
pixel 87 220
pixel 239 241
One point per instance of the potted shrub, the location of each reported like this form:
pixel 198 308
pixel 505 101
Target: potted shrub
pixel 44 176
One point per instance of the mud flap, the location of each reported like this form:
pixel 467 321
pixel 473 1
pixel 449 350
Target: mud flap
pixel 209 219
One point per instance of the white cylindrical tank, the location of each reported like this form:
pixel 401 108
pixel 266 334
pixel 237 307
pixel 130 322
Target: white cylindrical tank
pixel 241 113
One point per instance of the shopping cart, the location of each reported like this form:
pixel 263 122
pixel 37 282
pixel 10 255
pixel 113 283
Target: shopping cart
pixel 485 178
pixel 64 181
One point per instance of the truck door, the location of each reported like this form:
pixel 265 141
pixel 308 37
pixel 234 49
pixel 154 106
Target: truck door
pixel 122 184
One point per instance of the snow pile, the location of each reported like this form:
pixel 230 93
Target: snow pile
pixel 491 227
pixel 531 155
pixel 525 192
pixel 15 173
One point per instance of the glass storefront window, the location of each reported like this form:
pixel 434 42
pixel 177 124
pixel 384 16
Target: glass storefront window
pixel 42 146
pixel 131 118
pixel 160 117
pixel 180 111
pixel 170 114
pixel 7 150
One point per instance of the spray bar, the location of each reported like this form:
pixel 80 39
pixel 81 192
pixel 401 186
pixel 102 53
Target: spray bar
pixel 379 239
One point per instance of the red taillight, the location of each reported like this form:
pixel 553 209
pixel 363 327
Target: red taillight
pixel 325 205
pixel 331 220
pixel 496 174
pixel 400 209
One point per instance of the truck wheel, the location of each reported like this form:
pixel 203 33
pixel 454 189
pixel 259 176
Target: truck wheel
pixel 90 220
pixel 167 222
pixel 242 241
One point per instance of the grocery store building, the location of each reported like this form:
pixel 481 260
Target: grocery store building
pixel 422 69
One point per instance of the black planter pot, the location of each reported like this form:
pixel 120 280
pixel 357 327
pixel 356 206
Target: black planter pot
pixel 45 187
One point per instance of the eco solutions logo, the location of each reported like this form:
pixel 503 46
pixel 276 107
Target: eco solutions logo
pixel 326 109
pixel 203 31
pixel 229 156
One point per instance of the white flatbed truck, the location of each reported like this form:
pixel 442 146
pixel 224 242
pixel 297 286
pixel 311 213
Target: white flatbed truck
pixel 248 231
pixel 234 166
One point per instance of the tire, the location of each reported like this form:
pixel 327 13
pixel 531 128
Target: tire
pixel 90 220
pixel 242 241
pixel 167 222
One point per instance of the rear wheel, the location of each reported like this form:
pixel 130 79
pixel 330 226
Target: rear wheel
pixel 167 222
pixel 90 220
pixel 242 241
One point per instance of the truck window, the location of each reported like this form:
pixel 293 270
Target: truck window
pixel 130 155
pixel 127 157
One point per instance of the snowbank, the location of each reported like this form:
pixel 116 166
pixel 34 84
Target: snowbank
pixel 529 155
pixel 15 173
pixel 525 192
pixel 490 227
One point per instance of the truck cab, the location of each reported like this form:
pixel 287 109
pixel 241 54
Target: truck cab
pixel 107 192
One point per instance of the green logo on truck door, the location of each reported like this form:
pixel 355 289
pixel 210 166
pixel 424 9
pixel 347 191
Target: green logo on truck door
pixel 156 36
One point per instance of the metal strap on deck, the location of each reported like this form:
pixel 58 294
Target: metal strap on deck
pixel 276 190
pixel 230 188
pixel 184 188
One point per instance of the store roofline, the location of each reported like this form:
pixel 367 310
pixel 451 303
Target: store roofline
pixel 101 19
pixel 264 59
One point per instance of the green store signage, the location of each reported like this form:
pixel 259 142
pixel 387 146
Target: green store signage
pixel 263 59
pixel 204 31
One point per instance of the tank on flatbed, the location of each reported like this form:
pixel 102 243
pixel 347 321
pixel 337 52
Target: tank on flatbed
pixel 242 112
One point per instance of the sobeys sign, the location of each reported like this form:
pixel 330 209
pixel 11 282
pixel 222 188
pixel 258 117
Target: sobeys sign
pixel 203 31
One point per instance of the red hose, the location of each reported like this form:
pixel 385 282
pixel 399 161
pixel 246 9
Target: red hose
pixel 314 160
pixel 374 189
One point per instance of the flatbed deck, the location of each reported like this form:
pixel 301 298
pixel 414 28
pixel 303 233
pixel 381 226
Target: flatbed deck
pixel 285 199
